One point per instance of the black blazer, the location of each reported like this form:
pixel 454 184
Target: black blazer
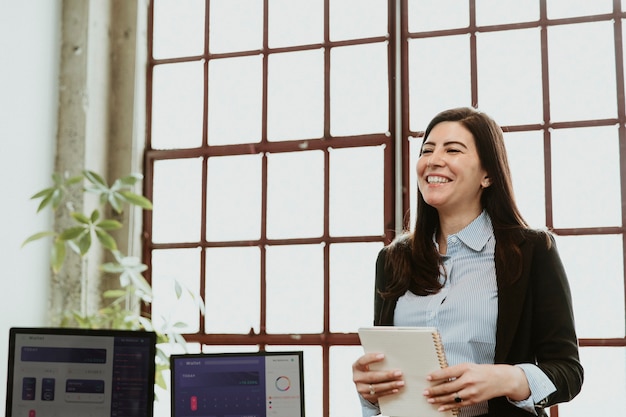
pixel 535 321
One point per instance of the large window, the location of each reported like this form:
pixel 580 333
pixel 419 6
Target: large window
pixel 282 138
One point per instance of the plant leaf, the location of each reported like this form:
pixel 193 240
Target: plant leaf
pixel 72 233
pixel 95 178
pixel 106 239
pixel 37 236
pixel 136 199
pixel 57 255
pixel 84 243
pixel 109 224
pixel 80 217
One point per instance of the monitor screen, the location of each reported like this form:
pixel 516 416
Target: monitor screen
pixel 80 372
pixel 261 384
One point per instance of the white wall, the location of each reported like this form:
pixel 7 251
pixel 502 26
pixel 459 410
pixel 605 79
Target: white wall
pixel 29 41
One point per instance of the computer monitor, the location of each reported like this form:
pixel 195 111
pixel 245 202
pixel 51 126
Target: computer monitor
pixel 261 384
pixel 80 372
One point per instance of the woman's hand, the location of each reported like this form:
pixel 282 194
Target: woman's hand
pixel 375 384
pixel 468 383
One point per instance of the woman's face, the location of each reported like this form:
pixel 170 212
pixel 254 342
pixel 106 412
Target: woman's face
pixel 450 175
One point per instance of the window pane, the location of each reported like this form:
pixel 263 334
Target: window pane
pixel 235 25
pixel 352 272
pixel 233 290
pixel 510 61
pixel 295 22
pixel 596 275
pixel 582 190
pixel 176 200
pixel 525 153
pixel 235 91
pixel 354 19
pixel 344 400
pixel 582 71
pixel 295 289
pixel 234 198
pixel 604 378
pixel 313 378
pixel 357 191
pixel 359 95
pixel 177 106
pixel 169 266
pixel 427 15
pixel 295 194
pixel 178 28
pixel 570 8
pixel 498 12
pixel 437 81
pixel 295 95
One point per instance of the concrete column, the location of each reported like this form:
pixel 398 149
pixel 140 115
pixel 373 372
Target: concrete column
pixel 96 128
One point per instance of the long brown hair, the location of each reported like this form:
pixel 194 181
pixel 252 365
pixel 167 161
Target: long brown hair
pixel 412 260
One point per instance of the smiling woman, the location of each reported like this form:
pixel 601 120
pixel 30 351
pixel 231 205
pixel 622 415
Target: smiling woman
pixel 472 269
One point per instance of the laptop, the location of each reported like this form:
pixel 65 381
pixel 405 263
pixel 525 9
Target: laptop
pixel 61 372
pixel 260 384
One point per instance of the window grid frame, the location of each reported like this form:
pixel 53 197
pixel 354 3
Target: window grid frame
pixel 327 339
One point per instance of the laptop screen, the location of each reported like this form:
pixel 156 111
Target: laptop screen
pixel 261 384
pixel 80 372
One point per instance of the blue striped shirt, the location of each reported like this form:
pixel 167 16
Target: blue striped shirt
pixel 466 309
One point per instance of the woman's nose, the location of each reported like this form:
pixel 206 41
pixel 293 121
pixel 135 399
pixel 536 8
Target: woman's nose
pixel 434 159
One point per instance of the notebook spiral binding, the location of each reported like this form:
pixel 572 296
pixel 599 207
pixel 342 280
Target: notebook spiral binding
pixel 441 356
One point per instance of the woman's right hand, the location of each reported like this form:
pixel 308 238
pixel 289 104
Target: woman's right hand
pixel 373 384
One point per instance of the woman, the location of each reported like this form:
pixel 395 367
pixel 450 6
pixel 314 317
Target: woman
pixel 472 267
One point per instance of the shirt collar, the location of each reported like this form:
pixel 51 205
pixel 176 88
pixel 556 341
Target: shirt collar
pixel 476 234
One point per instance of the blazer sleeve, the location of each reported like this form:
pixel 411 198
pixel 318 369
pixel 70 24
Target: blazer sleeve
pixel 554 339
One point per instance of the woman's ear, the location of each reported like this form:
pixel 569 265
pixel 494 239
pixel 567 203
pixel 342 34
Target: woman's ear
pixel 486 182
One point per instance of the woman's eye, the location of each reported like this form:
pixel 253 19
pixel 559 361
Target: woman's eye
pixel 452 150
pixel 425 151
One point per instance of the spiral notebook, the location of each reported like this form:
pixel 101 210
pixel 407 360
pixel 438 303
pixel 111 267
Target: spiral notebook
pixel 416 351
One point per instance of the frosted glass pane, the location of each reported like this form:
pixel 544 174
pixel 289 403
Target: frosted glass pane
pixel 437 80
pixel 235 100
pixel 235 25
pixel 357 191
pixel 234 198
pixel 595 271
pixel 353 19
pixel 295 289
pixel 427 15
pixel 352 272
pixel 510 62
pixel 178 28
pixel 582 71
pixel 525 153
pixel 313 377
pixel 169 266
pixel 295 95
pixel 177 200
pixel 177 103
pixel 580 189
pixel 295 22
pixel 233 290
pixel 344 400
pixel 295 194
pixel 359 90
pixel 570 8
pixel 605 379
pixel 499 12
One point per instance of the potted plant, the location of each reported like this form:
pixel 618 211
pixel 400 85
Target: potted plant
pixel 120 307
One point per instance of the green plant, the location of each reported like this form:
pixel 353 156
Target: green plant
pixel 121 307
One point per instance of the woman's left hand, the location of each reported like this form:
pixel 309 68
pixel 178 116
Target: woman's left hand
pixel 467 383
